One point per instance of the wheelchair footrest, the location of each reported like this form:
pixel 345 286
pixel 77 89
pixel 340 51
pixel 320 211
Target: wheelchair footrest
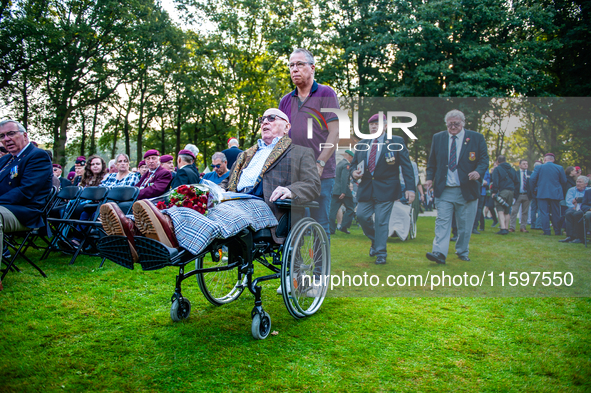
pixel 116 249
pixel 155 255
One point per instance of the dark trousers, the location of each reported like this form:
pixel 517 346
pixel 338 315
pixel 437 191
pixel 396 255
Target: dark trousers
pixel 479 216
pixel 546 208
pixel 335 205
pixel 574 224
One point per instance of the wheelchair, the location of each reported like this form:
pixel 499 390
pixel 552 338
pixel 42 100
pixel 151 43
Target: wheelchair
pixel 302 263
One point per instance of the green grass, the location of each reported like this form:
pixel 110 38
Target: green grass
pixel 90 329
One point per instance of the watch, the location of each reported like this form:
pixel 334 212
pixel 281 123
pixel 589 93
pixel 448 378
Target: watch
pixel 322 163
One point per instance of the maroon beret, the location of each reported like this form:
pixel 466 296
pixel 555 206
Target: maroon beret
pixel 166 158
pixel 71 175
pixel 185 152
pixel 375 118
pixel 142 162
pixel 81 160
pixel 151 152
pixel 57 166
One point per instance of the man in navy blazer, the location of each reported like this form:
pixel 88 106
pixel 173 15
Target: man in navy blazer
pixel 25 180
pixel 550 179
pixel 523 195
pixel 380 184
pixel 457 163
pixel 187 173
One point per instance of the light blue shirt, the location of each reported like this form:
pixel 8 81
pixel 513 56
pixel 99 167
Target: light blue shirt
pixel 573 193
pixel 249 175
pixel 453 179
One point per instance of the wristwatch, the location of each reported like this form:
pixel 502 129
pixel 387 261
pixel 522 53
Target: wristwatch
pixel 322 163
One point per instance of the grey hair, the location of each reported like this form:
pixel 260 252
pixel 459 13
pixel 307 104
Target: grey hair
pixel 220 156
pixel 455 113
pixel 18 125
pixel 121 154
pixel 193 149
pixel 306 52
pixel 186 158
pixel 585 178
pixel 112 163
pixel 233 142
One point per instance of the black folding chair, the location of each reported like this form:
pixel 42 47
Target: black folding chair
pixel 29 237
pixel 69 224
pixel 63 207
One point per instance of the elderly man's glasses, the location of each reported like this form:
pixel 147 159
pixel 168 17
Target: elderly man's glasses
pixel 271 118
pixel 454 124
pixel 299 65
pixel 9 134
pixel 215 166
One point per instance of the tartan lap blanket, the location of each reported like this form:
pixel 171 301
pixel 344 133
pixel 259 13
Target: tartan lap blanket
pixel 195 231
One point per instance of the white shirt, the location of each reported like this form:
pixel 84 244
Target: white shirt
pixel 453 179
pixel 249 175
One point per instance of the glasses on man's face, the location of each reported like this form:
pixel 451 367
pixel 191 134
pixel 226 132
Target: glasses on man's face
pixel 454 124
pixel 271 118
pixel 299 65
pixel 56 169
pixel 218 166
pixel 9 134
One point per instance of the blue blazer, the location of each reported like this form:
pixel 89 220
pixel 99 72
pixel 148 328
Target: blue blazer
pixel 528 189
pixel 384 184
pixel 473 157
pixel 25 184
pixel 586 204
pixel 549 179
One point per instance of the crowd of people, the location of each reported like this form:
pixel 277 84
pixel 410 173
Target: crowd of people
pixel 366 183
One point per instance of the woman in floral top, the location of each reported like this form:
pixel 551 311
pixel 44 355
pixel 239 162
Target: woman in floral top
pixel 123 177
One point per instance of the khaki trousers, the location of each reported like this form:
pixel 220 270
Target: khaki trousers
pixel 8 224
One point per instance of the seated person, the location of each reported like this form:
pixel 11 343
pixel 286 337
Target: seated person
pixel 188 172
pixel 25 180
pixel 219 166
pixel 57 173
pixel 574 213
pixel 156 180
pixel 79 166
pixel 123 176
pixel 273 169
pixel 142 168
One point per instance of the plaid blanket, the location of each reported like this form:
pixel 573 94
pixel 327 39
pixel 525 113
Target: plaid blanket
pixel 195 231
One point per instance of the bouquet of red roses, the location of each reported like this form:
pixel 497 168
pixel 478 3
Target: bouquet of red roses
pixel 193 196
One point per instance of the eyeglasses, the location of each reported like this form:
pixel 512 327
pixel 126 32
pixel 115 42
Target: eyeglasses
pixel 56 169
pixel 215 166
pixel 299 65
pixel 271 118
pixel 454 124
pixel 9 134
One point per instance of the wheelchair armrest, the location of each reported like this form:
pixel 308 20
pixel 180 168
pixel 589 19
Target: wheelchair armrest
pixel 286 204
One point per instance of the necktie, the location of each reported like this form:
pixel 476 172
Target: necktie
pixel 452 154
pixel 7 164
pixel 372 156
pixel 524 182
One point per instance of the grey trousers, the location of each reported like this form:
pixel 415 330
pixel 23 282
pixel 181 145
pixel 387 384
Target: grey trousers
pixel 8 224
pixel 377 231
pixel 449 204
pixel 522 200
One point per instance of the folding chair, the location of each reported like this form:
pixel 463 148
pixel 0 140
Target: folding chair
pixel 67 223
pixel 586 226
pixel 63 207
pixel 29 238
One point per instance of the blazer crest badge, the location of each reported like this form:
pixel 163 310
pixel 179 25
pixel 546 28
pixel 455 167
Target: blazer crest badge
pixel 472 156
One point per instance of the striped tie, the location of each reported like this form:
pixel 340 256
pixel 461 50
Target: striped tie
pixel 372 156
pixel 452 154
pixel 524 182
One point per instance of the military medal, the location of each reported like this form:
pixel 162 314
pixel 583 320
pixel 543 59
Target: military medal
pixel 390 158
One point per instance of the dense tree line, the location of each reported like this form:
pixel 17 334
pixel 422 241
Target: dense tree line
pixel 105 76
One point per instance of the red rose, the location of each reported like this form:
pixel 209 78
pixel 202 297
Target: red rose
pixel 183 190
pixel 161 205
pixel 187 203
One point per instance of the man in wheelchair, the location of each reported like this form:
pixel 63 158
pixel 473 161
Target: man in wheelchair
pixel 272 169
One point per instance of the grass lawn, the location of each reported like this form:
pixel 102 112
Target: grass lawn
pixel 90 329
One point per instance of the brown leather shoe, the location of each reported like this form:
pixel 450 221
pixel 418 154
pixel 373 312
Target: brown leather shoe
pixel 116 224
pixel 153 224
pixel 511 230
pixel 523 230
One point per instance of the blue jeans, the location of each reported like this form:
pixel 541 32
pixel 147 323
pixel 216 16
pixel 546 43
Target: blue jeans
pixel 321 214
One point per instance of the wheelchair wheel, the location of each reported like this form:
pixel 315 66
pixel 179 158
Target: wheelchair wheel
pixel 305 268
pixel 220 287
pixel 180 309
pixel 261 326
pixel 412 231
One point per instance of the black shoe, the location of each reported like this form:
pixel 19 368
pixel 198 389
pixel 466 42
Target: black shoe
pixel 494 224
pixel 380 260
pixel 577 241
pixel 436 257
pixel 567 240
pixel 453 239
pixel 503 232
pixel 372 252
pixel 463 258
pixel 345 231
pixel 475 232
